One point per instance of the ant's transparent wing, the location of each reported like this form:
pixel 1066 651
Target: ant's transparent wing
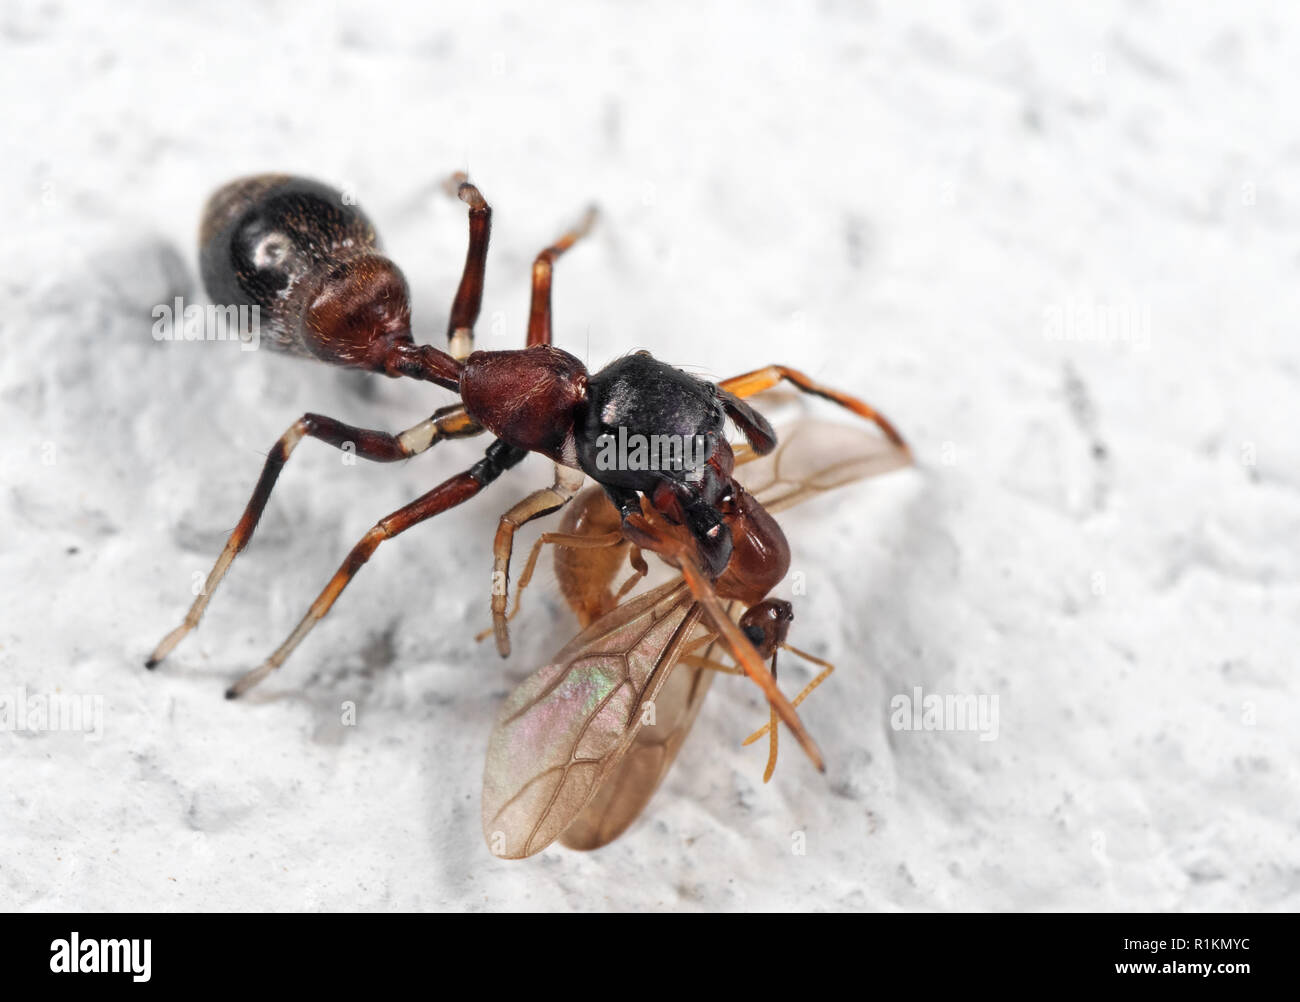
pixel 565 729
pixel 623 796
pixel 812 457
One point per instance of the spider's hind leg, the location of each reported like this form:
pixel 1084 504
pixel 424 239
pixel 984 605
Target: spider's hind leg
pixel 377 446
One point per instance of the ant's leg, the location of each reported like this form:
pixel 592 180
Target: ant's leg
pixel 827 670
pixel 379 446
pixel 641 532
pixel 695 661
pixel 469 296
pixel 570 541
pixel 568 482
pixel 770 727
pixel 539 315
pixel 764 379
pixel 499 458
pixel 639 570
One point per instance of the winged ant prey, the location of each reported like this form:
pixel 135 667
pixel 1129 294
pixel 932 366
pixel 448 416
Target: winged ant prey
pixel 650 436
pixel 581 746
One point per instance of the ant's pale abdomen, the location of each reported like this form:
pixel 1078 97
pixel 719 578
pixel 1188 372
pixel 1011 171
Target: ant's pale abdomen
pixel 309 260
pixel 587 576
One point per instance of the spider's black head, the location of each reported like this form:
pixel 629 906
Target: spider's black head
pixel 647 422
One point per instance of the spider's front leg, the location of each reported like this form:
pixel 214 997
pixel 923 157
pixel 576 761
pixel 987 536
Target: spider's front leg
pixel 750 383
pixel 469 295
pixel 590 551
pixel 568 482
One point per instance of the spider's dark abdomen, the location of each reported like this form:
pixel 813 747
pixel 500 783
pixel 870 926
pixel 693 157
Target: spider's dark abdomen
pixel 268 241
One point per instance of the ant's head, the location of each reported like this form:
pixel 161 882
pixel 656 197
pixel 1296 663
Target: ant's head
pixel 359 307
pixel 767 624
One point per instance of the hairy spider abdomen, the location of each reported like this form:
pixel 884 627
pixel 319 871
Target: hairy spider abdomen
pixel 309 260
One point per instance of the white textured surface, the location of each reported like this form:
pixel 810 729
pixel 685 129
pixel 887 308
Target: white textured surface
pixel 894 198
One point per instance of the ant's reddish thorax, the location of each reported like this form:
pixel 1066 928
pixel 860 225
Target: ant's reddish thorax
pixel 760 553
